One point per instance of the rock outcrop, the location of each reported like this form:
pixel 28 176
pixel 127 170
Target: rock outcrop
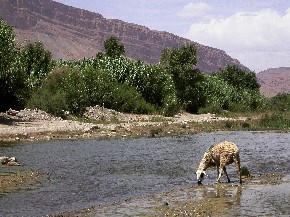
pixel 71 33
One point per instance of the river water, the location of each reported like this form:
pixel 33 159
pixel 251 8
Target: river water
pixel 83 173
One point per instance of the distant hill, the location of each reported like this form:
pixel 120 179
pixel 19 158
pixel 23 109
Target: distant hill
pixel 71 33
pixel 274 81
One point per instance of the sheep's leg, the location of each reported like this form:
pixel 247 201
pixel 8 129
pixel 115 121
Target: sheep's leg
pixel 238 168
pixel 225 171
pixel 220 172
pixel 222 166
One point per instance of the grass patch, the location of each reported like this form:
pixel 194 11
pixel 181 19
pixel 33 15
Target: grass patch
pixel 155 131
pixel 278 121
pixel 245 171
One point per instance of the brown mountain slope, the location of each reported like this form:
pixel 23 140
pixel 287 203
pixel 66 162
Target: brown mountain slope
pixel 274 81
pixel 71 33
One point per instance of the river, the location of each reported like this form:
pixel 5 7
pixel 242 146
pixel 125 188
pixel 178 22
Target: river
pixel 83 173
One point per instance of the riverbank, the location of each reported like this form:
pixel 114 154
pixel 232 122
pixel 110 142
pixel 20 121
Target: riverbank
pixel 30 125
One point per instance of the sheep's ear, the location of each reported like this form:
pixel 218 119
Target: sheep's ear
pixel 204 173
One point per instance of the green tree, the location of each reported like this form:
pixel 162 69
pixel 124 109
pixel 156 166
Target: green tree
pixel 113 47
pixel 12 78
pixel 36 62
pixel 184 57
pixel 180 64
pixel 239 78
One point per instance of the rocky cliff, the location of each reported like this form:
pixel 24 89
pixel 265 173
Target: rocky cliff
pixel 71 33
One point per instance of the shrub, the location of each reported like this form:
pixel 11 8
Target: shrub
pixel 245 171
pixel 126 99
pixel 218 93
pixel 151 81
pixel 51 96
pixel 211 108
pixel 280 102
pixel 74 90
pixel 277 121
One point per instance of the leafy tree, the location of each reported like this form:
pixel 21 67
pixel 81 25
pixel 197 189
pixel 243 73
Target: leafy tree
pixel 113 47
pixel 184 57
pixel 239 78
pixel 180 64
pixel 36 63
pixel 12 78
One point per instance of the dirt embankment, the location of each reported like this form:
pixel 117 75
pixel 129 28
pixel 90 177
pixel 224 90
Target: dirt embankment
pixel 100 123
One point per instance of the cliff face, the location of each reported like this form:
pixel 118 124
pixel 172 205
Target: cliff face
pixel 71 33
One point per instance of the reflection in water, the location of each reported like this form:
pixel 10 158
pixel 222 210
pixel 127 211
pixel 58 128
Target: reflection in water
pixel 222 196
pixel 87 172
pixel 222 191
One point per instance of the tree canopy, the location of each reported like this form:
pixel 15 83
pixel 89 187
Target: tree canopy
pixel 12 78
pixel 113 47
pixel 180 63
pixel 184 56
pixel 36 62
pixel 239 78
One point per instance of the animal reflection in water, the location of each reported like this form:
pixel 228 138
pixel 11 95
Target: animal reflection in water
pixel 219 155
pixel 230 194
pixel 9 161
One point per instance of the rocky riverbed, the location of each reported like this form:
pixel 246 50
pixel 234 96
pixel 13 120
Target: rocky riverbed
pixel 204 200
pixel 98 122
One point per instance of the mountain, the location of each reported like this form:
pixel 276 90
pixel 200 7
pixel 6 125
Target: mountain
pixel 71 33
pixel 274 81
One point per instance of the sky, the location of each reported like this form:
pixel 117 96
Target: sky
pixel 256 32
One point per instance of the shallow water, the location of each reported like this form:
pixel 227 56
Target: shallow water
pixel 88 172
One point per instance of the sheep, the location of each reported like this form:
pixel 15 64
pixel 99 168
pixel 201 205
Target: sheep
pixel 219 155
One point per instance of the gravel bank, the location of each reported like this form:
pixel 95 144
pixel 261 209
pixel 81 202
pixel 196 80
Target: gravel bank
pixel 34 124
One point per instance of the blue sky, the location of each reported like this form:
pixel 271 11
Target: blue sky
pixel 257 33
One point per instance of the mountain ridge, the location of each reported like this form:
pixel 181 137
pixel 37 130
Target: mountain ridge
pixel 72 33
pixel 274 81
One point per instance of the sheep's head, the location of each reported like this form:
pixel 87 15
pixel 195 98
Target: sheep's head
pixel 200 174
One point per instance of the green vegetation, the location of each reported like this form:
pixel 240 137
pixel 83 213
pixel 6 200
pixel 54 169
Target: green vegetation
pixel 113 47
pixel 36 63
pixel 179 63
pixel 245 172
pixel 221 95
pixel 30 78
pixel 12 78
pixel 69 89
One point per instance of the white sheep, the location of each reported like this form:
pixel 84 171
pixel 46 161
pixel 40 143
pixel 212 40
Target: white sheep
pixel 219 155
